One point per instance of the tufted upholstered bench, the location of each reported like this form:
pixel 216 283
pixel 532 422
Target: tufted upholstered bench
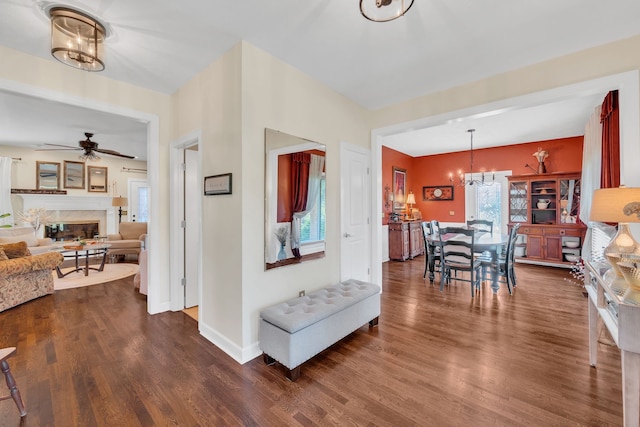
pixel 294 331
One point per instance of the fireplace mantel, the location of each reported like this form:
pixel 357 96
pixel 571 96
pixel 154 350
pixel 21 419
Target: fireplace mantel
pixel 54 202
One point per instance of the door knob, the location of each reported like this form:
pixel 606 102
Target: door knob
pixel 348 235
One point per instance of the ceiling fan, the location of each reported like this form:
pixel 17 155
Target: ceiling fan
pixel 90 148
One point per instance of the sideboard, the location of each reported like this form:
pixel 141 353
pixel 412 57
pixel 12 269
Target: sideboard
pixel 608 304
pixel 405 240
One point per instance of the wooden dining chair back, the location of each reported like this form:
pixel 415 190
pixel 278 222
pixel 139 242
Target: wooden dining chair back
pixel 431 249
pixel 456 254
pixel 14 393
pixel 481 225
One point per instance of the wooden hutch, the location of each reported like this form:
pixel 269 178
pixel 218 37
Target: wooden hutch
pixel 547 206
pixel 405 240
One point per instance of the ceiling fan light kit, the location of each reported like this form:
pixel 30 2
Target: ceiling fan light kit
pixel 384 10
pixel 77 39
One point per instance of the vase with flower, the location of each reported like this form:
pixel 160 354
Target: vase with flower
pixel 281 234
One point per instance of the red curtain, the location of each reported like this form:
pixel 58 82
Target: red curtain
pixel 300 180
pixel 610 119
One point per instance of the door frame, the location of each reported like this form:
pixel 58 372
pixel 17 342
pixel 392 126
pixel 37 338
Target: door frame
pixel 176 234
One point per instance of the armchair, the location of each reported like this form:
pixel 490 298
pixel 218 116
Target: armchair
pixel 131 239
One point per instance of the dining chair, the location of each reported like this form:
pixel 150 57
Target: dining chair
pixel 505 263
pixel 14 393
pixel 481 225
pixel 456 254
pixel 428 235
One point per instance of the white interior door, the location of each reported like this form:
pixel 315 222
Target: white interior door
pixel 192 230
pixel 138 210
pixel 355 222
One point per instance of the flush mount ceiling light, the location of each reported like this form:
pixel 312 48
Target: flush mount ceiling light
pixel 77 39
pixel 384 10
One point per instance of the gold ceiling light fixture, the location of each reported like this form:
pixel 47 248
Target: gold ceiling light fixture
pixel 384 10
pixel 77 39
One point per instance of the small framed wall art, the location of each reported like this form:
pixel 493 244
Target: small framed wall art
pixel 399 188
pixel 217 184
pixel 441 192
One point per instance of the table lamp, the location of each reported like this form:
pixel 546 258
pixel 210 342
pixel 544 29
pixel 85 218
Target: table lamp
pixel 621 205
pixel 119 202
pixel 411 200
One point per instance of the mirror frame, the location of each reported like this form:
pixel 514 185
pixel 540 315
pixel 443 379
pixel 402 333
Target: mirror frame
pixel 71 168
pixel 39 179
pixel 276 144
pixel 92 185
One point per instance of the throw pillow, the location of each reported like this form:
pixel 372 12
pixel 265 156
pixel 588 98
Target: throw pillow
pixel 15 250
pixel 3 256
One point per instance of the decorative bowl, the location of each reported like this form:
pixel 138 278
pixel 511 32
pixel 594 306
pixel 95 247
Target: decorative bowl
pixel 571 257
pixel 631 273
pixel 571 244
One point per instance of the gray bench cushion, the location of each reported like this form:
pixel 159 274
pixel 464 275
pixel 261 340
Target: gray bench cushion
pixel 298 313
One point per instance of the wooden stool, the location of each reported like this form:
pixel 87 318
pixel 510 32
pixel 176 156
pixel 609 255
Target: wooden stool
pixel 14 393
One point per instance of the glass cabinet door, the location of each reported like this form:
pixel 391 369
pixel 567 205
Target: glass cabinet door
pixel 569 200
pixel 518 203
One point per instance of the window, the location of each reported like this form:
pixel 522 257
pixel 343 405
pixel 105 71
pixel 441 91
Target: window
pixel 489 201
pixel 313 224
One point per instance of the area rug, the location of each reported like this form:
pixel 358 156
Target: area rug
pixel 78 279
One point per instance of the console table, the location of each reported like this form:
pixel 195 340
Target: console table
pixel 622 319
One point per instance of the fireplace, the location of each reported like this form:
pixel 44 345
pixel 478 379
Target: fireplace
pixel 71 230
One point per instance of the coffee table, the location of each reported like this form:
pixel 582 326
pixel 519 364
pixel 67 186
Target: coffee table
pixel 85 251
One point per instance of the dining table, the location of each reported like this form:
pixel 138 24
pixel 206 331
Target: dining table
pixel 483 241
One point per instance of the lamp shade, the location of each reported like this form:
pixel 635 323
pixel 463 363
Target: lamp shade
pixel 411 200
pixel 77 39
pixel 615 205
pixel 119 201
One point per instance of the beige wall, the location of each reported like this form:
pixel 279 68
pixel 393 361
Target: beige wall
pixel 232 102
pixel 38 77
pixel 23 172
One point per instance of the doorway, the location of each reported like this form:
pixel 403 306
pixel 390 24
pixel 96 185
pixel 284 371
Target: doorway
pixel 186 225
pixel 138 200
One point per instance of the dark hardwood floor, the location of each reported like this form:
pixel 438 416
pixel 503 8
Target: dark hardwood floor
pixel 93 357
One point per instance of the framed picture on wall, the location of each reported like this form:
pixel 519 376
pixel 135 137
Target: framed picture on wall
pixel 438 192
pixel 399 188
pixel 217 184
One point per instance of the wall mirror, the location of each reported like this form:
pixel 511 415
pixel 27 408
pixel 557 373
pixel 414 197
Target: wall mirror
pixel 97 176
pixel 47 176
pixel 294 199
pixel 73 174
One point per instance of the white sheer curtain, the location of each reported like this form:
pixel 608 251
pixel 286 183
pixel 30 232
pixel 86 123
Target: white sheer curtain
pixel 5 190
pixel 315 175
pixel 590 181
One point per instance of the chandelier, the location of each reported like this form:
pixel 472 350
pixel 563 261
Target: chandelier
pixel 477 181
pixel 77 39
pixel 384 10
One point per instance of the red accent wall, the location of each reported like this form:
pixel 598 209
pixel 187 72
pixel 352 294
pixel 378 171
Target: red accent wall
pixel 565 155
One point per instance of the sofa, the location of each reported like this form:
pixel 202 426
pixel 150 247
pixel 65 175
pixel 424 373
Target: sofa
pixel 26 234
pixel 130 239
pixel 23 276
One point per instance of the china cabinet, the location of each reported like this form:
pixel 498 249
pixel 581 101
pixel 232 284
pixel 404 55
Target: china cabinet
pixel 547 207
pixel 405 240
pixel 613 304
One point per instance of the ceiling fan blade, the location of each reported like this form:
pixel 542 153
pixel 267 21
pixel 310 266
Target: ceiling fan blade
pixel 113 153
pixel 69 147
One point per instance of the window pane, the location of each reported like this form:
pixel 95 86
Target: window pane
pixel 488 204
pixel 312 226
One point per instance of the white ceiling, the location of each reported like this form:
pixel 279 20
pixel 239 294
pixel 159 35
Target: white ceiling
pixel 161 44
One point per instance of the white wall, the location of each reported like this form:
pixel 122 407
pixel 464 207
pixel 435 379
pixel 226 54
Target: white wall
pixel 233 101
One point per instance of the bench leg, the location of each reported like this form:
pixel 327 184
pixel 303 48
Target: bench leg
pixel 373 322
pixel 293 374
pixel 268 360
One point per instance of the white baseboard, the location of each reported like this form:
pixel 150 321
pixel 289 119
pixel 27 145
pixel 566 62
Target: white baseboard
pixel 240 355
